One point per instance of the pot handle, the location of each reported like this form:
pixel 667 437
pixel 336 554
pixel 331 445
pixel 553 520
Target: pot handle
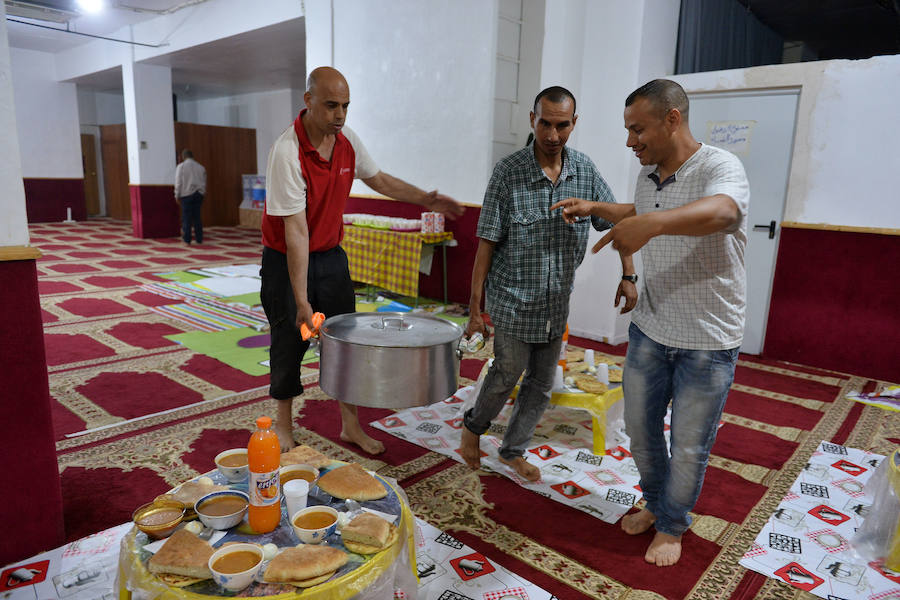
pixel 397 322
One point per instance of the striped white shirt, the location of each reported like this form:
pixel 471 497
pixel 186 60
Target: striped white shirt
pixel 694 287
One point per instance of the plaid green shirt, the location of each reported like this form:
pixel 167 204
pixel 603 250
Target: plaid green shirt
pixel 536 253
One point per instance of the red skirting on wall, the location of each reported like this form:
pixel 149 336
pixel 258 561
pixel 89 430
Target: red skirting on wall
pixel 460 258
pixel 31 511
pixel 836 302
pixel 46 200
pixel 154 213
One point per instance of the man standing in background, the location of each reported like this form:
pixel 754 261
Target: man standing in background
pixel 190 187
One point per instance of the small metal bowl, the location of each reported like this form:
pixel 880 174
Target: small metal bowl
pixel 151 517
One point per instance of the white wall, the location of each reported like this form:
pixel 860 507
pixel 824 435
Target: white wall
pixel 47 116
pixel 601 51
pixel 844 165
pixel 100 108
pixel 13 225
pixel 269 113
pixel 149 130
pixel 421 80
pixel 520 35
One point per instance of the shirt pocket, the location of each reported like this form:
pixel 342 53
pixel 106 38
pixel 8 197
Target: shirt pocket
pixel 525 227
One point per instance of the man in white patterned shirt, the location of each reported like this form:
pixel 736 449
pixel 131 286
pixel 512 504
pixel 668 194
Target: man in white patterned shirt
pixel 690 218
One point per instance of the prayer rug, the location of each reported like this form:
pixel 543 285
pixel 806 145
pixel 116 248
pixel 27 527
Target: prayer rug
pixel 107 353
pixel 567 552
pixel 211 315
pixel 775 418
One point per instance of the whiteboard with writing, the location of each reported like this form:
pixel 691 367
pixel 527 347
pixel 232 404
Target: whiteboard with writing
pixel 733 136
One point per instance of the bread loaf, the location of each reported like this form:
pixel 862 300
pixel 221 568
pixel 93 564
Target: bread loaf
pixel 182 554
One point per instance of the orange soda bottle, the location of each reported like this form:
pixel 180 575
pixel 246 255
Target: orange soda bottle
pixel 263 457
pixel 562 349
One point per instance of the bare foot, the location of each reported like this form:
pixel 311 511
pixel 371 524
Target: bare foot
pixel 638 523
pixel 664 550
pixel 469 450
pixel 359 437
pixel 285 435
pixel 525 469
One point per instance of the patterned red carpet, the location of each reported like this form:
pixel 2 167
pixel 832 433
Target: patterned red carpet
pixel 107 357
pixel 109 362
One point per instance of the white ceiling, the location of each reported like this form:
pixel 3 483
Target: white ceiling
pixel 264 59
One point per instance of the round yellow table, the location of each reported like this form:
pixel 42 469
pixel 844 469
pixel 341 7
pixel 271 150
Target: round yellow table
pixel 355 577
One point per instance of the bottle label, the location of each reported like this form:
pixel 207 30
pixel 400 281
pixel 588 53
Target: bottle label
pixel 263 488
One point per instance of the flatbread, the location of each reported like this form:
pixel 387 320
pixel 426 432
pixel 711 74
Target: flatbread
pixel 190 491
pixel 183 554
pixel 178 581
pixel 351 482
pixel 367 529
pixel 367 549
pixel 304 455
pixel 304 562
pixel 589 384
pixel 615 375
pixel 308 583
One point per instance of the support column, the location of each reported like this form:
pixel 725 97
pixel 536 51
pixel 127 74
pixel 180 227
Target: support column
pixel 32 513
pixel 150 131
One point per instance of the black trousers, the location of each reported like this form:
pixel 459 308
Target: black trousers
pixel 191 216
pixel 330 291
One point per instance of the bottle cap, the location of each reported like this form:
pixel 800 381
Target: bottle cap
pixel 263 422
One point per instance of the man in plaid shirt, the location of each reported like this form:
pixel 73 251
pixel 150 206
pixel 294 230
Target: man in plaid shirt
pixel 526 260
pixel 690 218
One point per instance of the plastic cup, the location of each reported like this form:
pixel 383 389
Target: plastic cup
pixel 589 356
pixel 295 492
pixel 558 381
pixel 603 373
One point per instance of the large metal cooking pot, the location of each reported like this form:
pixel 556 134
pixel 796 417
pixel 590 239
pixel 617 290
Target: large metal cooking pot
pixel 388 359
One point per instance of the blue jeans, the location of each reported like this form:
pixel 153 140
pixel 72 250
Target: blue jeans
pixel 191 215
pixel 697 383
pixel 511 357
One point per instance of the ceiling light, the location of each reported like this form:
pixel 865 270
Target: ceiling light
pixel 39 12
pixel 90 6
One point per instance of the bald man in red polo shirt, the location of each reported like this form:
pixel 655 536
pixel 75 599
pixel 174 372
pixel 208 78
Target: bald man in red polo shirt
pixel 310 171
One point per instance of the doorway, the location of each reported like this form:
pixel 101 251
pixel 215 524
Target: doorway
pixel 757 126
pixel 89 165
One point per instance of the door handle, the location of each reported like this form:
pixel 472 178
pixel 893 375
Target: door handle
pixel 770 227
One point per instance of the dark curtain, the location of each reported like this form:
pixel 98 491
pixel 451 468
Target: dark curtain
pixel 723 34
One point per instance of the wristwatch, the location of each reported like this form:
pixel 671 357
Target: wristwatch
pixel 631 278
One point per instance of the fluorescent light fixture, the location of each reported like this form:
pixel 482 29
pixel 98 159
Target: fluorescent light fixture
pixel 39 12
pixel 91 6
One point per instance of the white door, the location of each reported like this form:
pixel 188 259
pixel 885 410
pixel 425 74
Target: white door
pixel 757 126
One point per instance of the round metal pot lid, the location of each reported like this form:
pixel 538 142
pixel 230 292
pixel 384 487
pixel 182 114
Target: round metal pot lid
pixel 391 329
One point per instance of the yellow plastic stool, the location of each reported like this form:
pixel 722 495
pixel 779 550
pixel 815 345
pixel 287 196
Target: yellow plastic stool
pixel 595 404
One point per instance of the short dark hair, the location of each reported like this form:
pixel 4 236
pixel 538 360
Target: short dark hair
pixel 554 94
pixel 187 154
pixel 664 95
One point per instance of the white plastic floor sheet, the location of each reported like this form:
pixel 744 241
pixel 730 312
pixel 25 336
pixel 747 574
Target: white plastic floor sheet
pixel 806 541
pixel 604 486
pixel 86 570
